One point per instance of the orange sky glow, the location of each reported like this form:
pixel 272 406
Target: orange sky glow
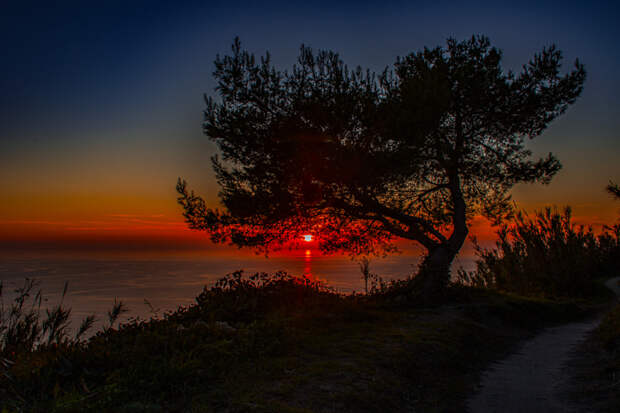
pixel 76 224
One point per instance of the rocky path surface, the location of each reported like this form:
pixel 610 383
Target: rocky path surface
pixel 533 379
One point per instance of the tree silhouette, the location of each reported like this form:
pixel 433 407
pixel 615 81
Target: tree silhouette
pixel 613 189
pixel 360 159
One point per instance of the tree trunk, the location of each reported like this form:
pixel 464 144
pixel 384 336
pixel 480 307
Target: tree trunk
pixel 434 273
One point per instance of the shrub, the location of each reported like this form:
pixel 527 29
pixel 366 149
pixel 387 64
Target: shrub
pixel 547 255
pixel 239 298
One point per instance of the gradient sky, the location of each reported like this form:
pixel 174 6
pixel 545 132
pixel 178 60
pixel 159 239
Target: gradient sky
pixel 101 107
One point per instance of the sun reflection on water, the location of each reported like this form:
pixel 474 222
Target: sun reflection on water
pixel 308 263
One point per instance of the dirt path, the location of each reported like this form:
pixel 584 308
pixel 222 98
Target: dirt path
pixel 532 379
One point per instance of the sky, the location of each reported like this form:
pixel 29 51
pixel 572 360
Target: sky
pixel 101 106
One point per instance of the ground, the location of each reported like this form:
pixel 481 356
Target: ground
pixel 289 349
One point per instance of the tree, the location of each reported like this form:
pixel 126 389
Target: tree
pixel 361 160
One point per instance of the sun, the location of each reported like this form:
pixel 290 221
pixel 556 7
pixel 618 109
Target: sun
pixel 308 238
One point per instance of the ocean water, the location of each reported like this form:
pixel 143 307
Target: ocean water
pixel 168 281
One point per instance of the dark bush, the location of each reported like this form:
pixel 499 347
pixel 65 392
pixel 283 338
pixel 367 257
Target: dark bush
pixel 239 298
pixel 547 255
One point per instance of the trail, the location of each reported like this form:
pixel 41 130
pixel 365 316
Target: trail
pixel 533 379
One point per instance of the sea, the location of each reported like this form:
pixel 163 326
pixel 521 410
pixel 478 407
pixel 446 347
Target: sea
pixel 151 284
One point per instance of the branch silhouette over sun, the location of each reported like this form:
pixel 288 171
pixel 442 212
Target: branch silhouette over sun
pixel 308 238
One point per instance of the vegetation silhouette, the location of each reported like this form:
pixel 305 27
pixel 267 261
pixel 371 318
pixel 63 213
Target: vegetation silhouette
pixel 248 334
pixel 548 255
pixel 360 159
pixel 23 326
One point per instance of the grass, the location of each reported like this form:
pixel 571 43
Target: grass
pixel 278 343
pixel 597 378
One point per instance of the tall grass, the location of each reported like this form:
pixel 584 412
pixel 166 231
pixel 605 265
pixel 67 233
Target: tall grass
pixel 25 325
pixel 547 254
pixel 36 345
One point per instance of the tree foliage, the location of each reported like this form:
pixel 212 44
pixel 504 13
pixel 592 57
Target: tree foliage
pixel 613 189
pixel 361 159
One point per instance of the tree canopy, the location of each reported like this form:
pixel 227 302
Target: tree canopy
pixel 360 159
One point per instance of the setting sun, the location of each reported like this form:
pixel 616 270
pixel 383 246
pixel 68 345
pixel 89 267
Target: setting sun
pixel 308 238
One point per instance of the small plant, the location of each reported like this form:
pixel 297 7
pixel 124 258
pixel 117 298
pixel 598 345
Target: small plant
pixel 154 311
pixel 366 274
pixel 114 313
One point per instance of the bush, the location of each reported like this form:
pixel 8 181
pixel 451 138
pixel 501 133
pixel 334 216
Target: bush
pixel 547 255
pixel 238 298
